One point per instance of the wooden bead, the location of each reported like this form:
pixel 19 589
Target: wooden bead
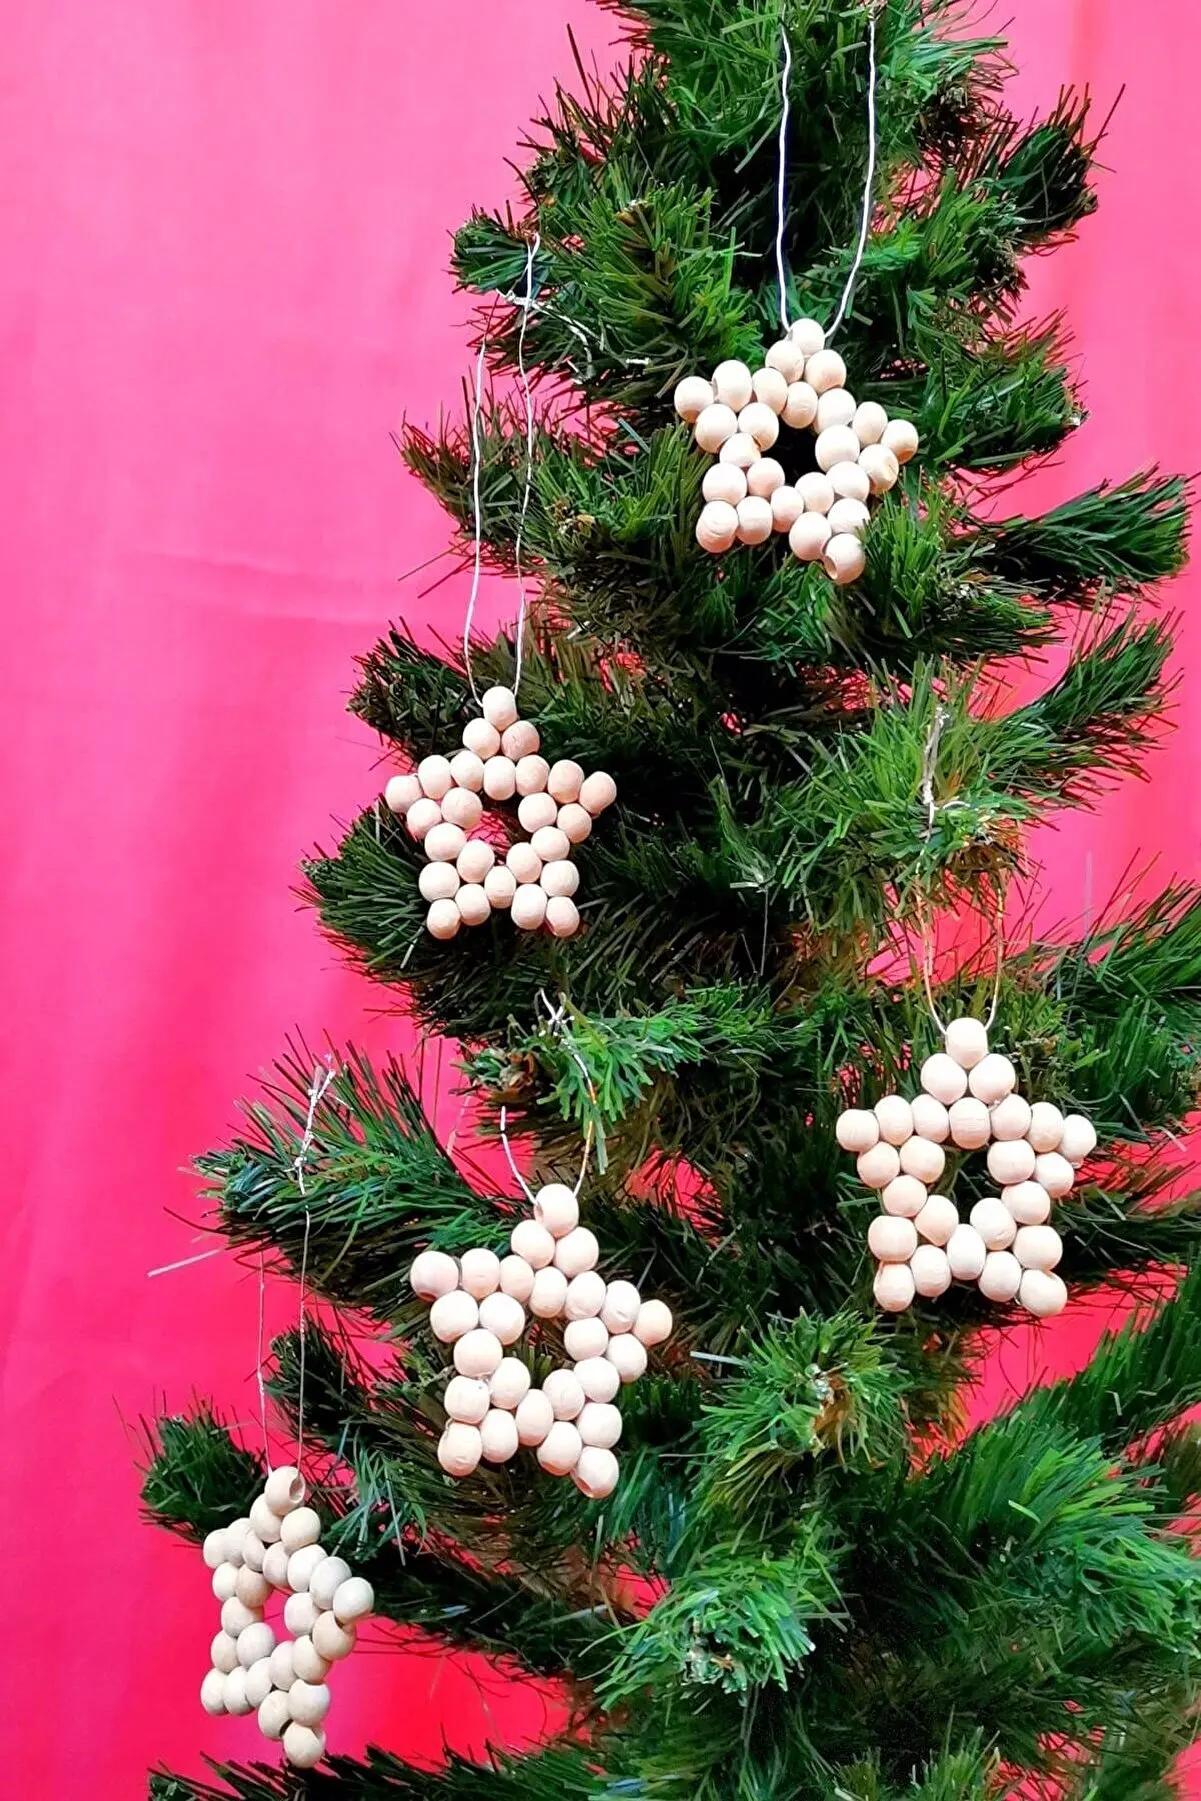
pixel 562 878
pixel 788 358
pixel 1011 1163
pixel 598 792
pixel 223 1652
pixel 848 516
pixel 498 1436
pixel 770 388
pixel 944 1078
pixel 520 740
pixel 970 1128
pixel 724 482
pixel 281 1665
pixel 837 444
pixel 691 397
pixel 559 1451
pixel 741 450
pixel 473 904
pixel 258 1682
pixel 303 1746
pixel 817 490
pixel 329 1576
pixel 504 1317
pixel 509 1383
pixel 653 1324
pixel 273 1715
pixel 421 819
pixel 528 907
pixel 1029 1203
pixel 1046 1126
pixel 1055 1174
pixel 761 423
pixel 764 477
pixel 904 1196
pixel 732 384
pixel 900 436
pixel 994 1222
pixel 562 916
pixel 466 1400
pixel 475 860
pixel 930 1119
pixel 599 1424
pixel 786 508
pixel 500 885
pixel 1079 1139
pixel 516 1278
pixel 893 1287
pixel 523 863
pixel 849 482
pixel 401 792
pixel 1001 1276
pixel 576 1251
pixel 534 1416
pixel 500 778
pixel 575 823
pixel 879 1166
pixel 1042 1293
pixel 213 1549
pixel 225 1581
pixel 843 558
pixel 1010 1118
pixel 532 1242
pixel 891 1239
pixel 275 1565
pixel 548 1293
pixel 931 1270
pixel 562 1389
pixel 714 426
pixel 439 881
pixel 212 1692
pixel 894 1116
pixel 460 1449
pixel 595 1473
pixel 598 1378
pixel 452 1315
pixel 754 520
pixel 921 1158
pixel 530 774
pixel 1038 1247
pixel 257 1641
pixel 300 1615
pixel 585 1296
pixel 300 1527
pixel 966 1253
pixel 442 921
pixel 444 842
pixel 800 408
pixel 301 1565
pixel 331 1639
pixel 835 407
pixel 235 1532
pixel 536 810
pixel 479 1273
pixel 869 420
pixel 251 1586
pixel 556 1208
pixel 237 1618
pixel 809 536
pixel 499 707
pixel 477 1353
pixel 308 1702
pixel 937 1220
pixel 880 467
pixel 716 527
pixel 468 772
pixel 857 1130
pixel 253 1549
pixel 627 1354
pixel 482 738
pixel 233 1692
pixel 620 1310
pixel 353 1600
pixel 566 778
pixel 807 335
pixel 992 1079
pixel 824 370
pixel 435 778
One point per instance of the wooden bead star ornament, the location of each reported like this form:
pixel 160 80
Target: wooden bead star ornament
pixel 532 878
pixel 858 453
pixel 1006 1245
pixel 276 1549
pixel 479 1304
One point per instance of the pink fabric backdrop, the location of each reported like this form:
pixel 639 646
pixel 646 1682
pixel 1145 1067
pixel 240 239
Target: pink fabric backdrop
pixel 222 278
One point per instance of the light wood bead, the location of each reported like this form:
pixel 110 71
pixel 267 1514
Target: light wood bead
pixel 559 1451
pixel 992 1079
pixel 509 1384
pixel 586 1294
pixel 849 482
pixel 253 1549
pixel 560 878
pixel 498 1436
pixel 301 1565
pixel 835 407
pixel 466 1401
pixel 481 738
pixel 691 397
pixel 435 777
pixel 800 408
pixel 716 527
pixel 880 467
pixel 764 477
pixel 444 842
pixel 504 1317
pixel 421 819
pixel 994 1222
pixel 817 491
pixel 1042 1294
pixel 966 1253
pixel 530 774
pixel 824 370
pixel 523 863
pixel 970 1128
pixel 807 335
pixel 1029 1203
pixel 566 778
pixel 225 1581
pixel 770 388
pixel 499 707
pixel 904 1196
pixel 577 1251
pixel 401 792
pixel 556 1208
pixel 598 1378
pixel 724 482
pixel 460 1448
pixel 923 1159
pixel 869 421
pixel 213 1549
pixel 894 1116
pixel 479 1273
pixel 303 1746
pixel 275 1565
pixel 754 520
pixel 1053 1171
pixel 258 1640
pixel 273 1715
pixel 893 1287
pixel 714 426
pixel 223 1652
pixel 353 1601
pixel 468 772
pixel 536 810
pixel 331 1639
pixel 237 1618
pixel 534 1416
pixel 439 881
pixel 599 1423
pixel 653 1324
pixel 1010 1118
pixel 212 1692
pixel 627 1354
pixel 452 1315
pixel 843 559
pixel 477 1353
pixel 500 779
pixel 848 516
pixel 937 1220
pixel 944 1078
pixel 1010 1163
pixel 528 907
pixel 473 904
pixel 808 537
pixel 837 444
pixel 235 1532
pixel 562 1389
pixel 233 1692
pixel 1046 1126
pixel 329 1576
pixel 857 1130
pixel 879 1166
pixel 786 508
pixel 299 1528
pixel 596 1472
pixel 516 1278
pixel 433 1273
pixel 443 920
pixel 891 1239
pixel 308 1702
pixel 574 821
pixel 788 359
pixel 741 450
pixel 900 436
pixel 300 1615
pixel 474 861
pixel 931 1270
pixel 548 1293
pixel 282 1666
pixel 930 1119
pixel 620 1310
pixel 732 383
pixel 1038 1247
pixel 251 1586
pixel 760 422
pixel 598 792
pixel 258 1682
pixel 562 916
pixel 533 1243
pixel 1001 1276
pixel 1079 1139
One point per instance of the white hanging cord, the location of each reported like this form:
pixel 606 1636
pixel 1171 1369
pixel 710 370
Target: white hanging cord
pixel 323 1075
pixel 504 1139
pixel 167 1269
pixel 780 181
pixel 477 538
pixel 525 303
pixel 556 1018
pixel 873 7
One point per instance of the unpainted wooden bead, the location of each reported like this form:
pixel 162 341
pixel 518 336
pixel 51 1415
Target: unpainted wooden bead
pixel 212 1692
pixel 944 1078
pixel 442 921
pixel 223 1652
pixel 509 1383
pixel 770 388
pixel 931 1270
pixel 732 383
pixel 1053 1171
pixel 937 1220
pixel 516 1278
pixel 807 335
pixel 225 1581
pixel 523 863
pixel 595 1473
pixel 329 1576
pixel 500 778
pixel 562 878
pixel 724 482
pixel 894 1116
pixel 308 1702
pixel 300 1527
pixel 237 1618
pixel 435 777
pixel 754 520
pixel 857 1130
pixel 691 397
pixel 251 1586
pixel 576 1251
pixel 585 1296
pixel 400 793
pixel 849 482
pixel 466 1400
pixel 788 358
pixel 459 1450
pixel 869 420
pixel 257 1641
pixel 893 1287
pixel 444 842
pixel 1010 1118
pixel 1029 1203
pixel 535 811
pixel 421 819
pixel 550 845
pixel 300 1613
pixel 235 1532
pixel 1046 1126
pixel 548 1293
pixel 475 860
pixel 741 450
pixel 468 771
pixel 477 1353
pixel 301 1565
pixel 499 707
pixel 808 537
pixel 970 1128
pixel 529 907
pixel 921 1158
pixel 562 916
pixel 567 778
pixel 835 407
pixel 786 508
pixel 481 738
pixel 1042 1293
pixel 275 1565
pixel 598 1378
pixel 498 1436
pixel 303 1747
pixel 843 558
pixel 880 467
pixel 258 1682
pixel 966 1253
pixel 994 1222
pixel 879 1166
pixel 530 773
pixel 764 477
pixel 473 904
pixel 273 1715
pixel 463 807
pixel 556 1208
pixel 562 1389
pixel 213 1549
pixel 532 1242
pixel 837 444
pixel 627 1354
pixel 992 1078
pixel 848 516
pixel 904 1196
pixel 653 1324
pixel 282 1666
pixel 500 885
pixel 1038 1247
pixel 1079 1139
pixel 900 436
pixel 716 527
pixel 599 1424
pixel 824 370
pixel 452 1315
pixel 598 792
pixel 761 423
pixel 534 1416
pixel 818 491
pixel 438 881
pixel 714 427
pixel 479 1273
pixel 233 1692
pixel 353 1601
pixel 559 1451
pixel 621 1306
pixel 930 1118
pixel 1011 1162
pixel 331 1639
pixel 1001 1276
pixel 800 408
pixel 253 1549
pixel 891 1239
pixel 504 1317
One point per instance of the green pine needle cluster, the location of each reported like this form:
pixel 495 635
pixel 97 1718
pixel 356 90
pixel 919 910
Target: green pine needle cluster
pixel 810 1583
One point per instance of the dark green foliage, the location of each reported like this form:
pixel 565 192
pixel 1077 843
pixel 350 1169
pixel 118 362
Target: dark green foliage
pixel 809 1584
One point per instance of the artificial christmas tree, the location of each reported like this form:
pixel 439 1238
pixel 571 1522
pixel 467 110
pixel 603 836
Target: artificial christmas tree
pixel 806 1581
